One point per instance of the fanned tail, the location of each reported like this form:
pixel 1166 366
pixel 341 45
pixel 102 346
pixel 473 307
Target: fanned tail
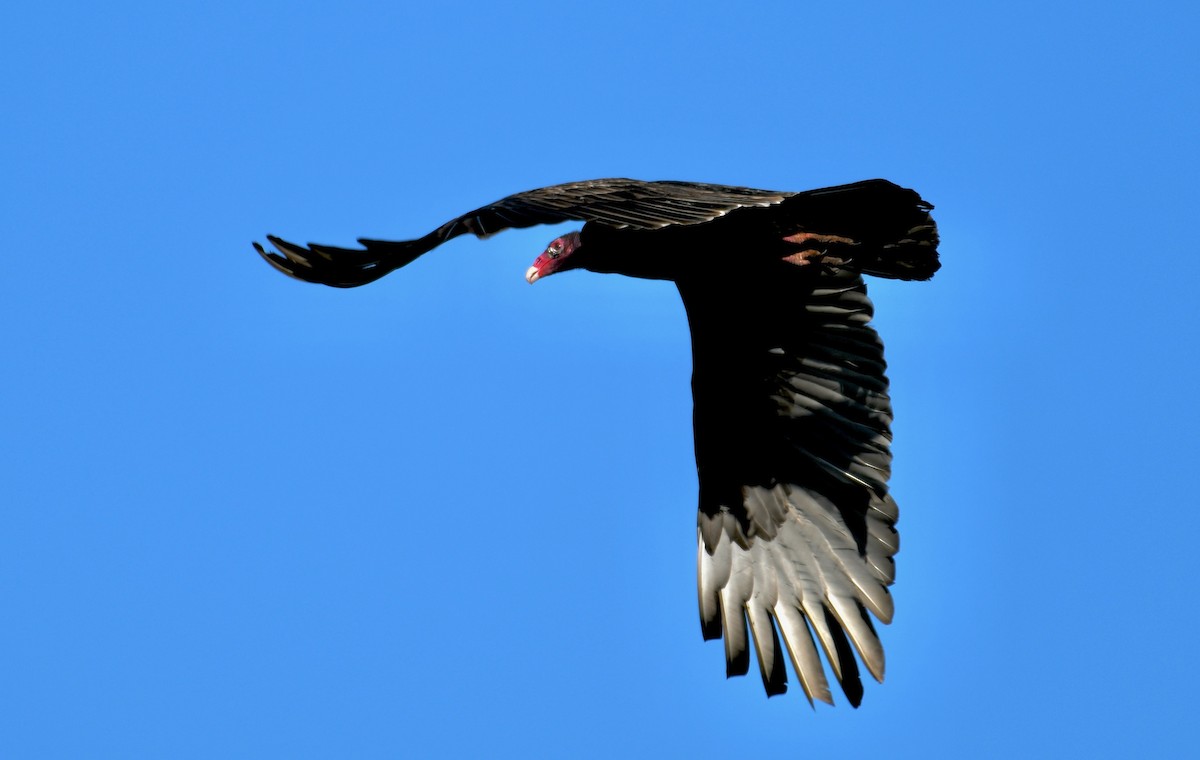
pixel 874 227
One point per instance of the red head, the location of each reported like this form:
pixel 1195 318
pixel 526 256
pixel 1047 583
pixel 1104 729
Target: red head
pixel 556 257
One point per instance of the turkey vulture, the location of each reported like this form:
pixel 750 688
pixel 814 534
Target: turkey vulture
pixel 792 417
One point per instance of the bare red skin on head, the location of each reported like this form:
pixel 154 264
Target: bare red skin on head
pixel 556 257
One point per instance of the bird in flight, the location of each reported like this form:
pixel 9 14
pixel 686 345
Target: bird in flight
pixel 792 418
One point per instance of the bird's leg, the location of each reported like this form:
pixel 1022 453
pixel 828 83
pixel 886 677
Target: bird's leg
pixel 808 255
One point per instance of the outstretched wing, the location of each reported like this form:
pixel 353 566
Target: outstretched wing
pixel 617 203
pixel 792 424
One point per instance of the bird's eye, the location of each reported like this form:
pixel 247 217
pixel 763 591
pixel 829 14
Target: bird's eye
pixel 554 250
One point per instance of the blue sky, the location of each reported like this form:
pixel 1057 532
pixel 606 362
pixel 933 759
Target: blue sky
pixel 452 515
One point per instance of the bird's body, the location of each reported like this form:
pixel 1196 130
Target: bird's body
pixel 792 417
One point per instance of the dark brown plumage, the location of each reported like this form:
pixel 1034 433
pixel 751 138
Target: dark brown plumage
pixel 792 418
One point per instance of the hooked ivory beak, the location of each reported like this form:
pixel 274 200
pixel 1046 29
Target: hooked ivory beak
pixel 531 275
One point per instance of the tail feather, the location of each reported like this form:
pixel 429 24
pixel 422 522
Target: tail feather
pixel 874 227
pixel 913 257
